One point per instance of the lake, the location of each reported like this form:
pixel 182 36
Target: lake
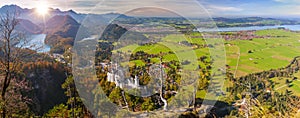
pixel 233 29
pixel 36 42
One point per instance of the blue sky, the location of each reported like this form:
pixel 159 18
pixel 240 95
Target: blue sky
pixel 273 8
pixel 254 7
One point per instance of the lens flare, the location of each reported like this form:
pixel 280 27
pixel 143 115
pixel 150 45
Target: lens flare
pixel 42 8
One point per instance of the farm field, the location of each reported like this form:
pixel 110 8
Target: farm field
pixel 242 56
pixel 260 54
pixel 247 56
pixel 179 51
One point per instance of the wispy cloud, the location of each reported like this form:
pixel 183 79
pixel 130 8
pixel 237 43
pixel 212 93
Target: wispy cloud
pixel 223 8
pixel 288 1
pixel 84 3
pixel 280 0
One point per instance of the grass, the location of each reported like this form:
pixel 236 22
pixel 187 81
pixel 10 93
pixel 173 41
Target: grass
pixel 267 53
pixel 127 49
pixel 139 62
pixel 174 38
pixel 281 86
pixel 168 44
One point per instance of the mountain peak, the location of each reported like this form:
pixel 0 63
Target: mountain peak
pixel 11 7
pixel 62 23
pixel 59 19
pixel 71 11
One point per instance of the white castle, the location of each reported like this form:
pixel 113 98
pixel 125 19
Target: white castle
pixel 116 75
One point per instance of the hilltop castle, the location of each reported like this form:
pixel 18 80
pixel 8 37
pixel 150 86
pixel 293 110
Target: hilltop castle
pixel 116 75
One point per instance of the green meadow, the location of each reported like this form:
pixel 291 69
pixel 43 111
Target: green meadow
pixel 247 56
pixel 256 55
pixel 169 44
pixel 281 85
pixel 276 50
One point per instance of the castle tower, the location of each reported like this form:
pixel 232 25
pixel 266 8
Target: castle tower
pixel 117 80
pixel 136 82
pixel 109 77
pixel 121 85
pixel 117 84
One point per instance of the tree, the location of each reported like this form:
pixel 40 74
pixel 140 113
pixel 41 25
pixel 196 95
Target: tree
pixel 74 106
pixel 59 111
pixel 148 105
pixel 10 61
pixel 116 96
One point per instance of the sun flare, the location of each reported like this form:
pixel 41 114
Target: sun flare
pixel 42 8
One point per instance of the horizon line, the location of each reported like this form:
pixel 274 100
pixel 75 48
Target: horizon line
pixel 141 16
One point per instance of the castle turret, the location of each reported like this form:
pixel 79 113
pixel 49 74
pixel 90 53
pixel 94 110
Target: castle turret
pixel 117 84
pixel 121 85
pixel 113 76
pixel 109 77
pixel 117 80
pixel 136 82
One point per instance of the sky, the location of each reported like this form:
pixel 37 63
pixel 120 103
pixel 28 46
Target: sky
pixel 216 8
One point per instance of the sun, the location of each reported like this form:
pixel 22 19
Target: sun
pixel 42 8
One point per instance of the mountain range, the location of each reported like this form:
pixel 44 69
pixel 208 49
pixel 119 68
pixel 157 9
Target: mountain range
pixel 29 14
pixel 33 23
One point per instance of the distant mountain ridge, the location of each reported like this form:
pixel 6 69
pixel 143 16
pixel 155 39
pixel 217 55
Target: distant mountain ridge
pixel 252 21
pixel 61 31
pixel 63 24
pixel 28 27
pixel 94 19
pixel 12 8
pixel 32 18
pixel 29 14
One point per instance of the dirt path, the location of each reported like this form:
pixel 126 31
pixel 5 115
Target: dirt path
pixel 237 62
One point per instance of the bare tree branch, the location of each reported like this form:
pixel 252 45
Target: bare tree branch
pixel 10 59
